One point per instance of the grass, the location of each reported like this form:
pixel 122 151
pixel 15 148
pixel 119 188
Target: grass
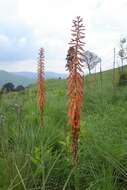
pixel 34 158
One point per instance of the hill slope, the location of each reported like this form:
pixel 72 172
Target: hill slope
pixel 16 80
pixel 25 78
pixel 37 152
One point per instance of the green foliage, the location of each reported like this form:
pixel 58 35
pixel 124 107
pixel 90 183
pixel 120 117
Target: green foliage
pixel 19 88
pixel 8 87
pixel 123 78
pixel 40 158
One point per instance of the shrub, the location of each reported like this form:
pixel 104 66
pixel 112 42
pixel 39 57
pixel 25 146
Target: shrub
pixel 8 87
pixel 19 88
pixel 123 79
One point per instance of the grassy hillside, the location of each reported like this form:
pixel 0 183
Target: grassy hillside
pixel 16 80
pixel 34 158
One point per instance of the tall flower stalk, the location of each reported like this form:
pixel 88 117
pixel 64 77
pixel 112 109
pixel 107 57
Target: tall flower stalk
pixel 75 81
pixel 41 84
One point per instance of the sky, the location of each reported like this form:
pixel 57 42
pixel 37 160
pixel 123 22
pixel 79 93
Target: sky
pixel 27 25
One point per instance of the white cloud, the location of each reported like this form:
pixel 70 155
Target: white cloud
pixel 22 41
pixel 8 10
pixel 50 23
pixel 4 41
pixel 31 65
pixel 27 65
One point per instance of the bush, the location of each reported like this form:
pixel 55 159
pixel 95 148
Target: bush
pixel 8 87
pixel 123 79
pixel 19 88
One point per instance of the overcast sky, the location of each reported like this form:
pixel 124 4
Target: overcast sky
pixel 27 25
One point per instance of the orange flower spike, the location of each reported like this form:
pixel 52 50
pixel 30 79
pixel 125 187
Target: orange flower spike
pixel 41 84
pixel 75 81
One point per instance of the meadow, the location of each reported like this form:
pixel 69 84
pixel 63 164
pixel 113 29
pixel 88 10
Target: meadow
pixel 36 158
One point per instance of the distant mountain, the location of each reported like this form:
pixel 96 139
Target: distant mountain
pixel 30 75
pixel 15 79
pixel 25 78
pixel 49 75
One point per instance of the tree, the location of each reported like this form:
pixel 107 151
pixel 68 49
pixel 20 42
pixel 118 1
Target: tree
pixel 91 60
pixel 8 87
pixel 123 50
